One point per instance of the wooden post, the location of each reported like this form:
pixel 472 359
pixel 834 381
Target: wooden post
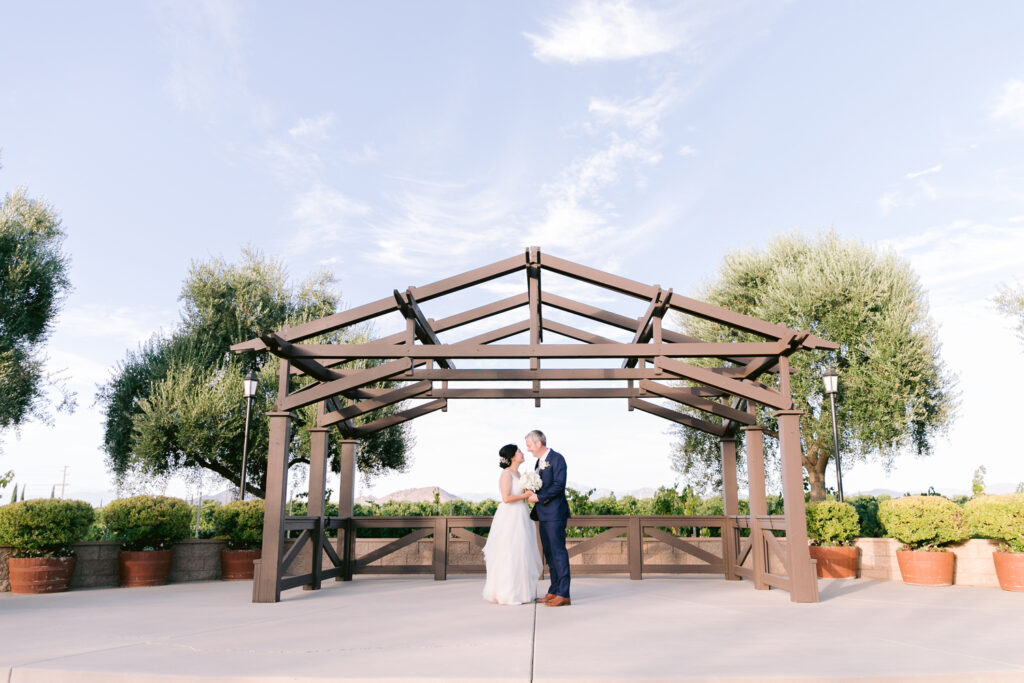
pixel 758 503
pixel 802 575
pixel 315 501
pixel 266 586
pixel 440 548
pixel 635 547
pixel 346 547
pixel 730 504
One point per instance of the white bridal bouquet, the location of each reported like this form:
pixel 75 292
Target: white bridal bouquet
pixel 531 481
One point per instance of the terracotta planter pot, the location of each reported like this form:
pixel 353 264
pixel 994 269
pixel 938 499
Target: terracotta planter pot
pixel 923 568
pixel 40 574
pixel 144 567
pixel 836 562
pixel 236 565
pixel 1009 570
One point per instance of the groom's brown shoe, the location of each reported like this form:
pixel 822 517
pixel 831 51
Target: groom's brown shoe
pixel 558 601
pixel 546 598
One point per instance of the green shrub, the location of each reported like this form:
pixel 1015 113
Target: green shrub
pixel 241 521
pixel 867 514
pixel 44 527
pixel 998 517
pixel 831 523
pixel 207 527
pixel 923 522
pixel 148 522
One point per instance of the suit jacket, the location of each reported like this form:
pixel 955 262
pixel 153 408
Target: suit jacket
pixel 553 505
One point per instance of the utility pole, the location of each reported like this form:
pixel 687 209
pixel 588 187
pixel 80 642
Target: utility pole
pixel 63 482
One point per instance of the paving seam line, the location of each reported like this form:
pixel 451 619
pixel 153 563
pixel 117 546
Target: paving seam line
pixel 533 649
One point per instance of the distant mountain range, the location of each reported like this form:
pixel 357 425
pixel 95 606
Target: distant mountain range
pixel 425 494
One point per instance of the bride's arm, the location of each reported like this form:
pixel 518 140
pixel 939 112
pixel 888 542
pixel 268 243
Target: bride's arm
pixel 506 489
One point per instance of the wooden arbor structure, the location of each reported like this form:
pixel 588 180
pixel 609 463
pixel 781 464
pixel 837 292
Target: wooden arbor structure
pixel 422 366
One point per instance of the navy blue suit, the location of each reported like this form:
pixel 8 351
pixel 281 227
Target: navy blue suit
pixel 552 512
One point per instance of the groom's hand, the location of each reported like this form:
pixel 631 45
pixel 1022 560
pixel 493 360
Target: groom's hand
pixel 533 498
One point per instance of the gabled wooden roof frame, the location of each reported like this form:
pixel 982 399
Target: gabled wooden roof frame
pixel 423 366
pixel 419 358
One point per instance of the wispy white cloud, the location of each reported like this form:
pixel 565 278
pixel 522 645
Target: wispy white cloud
pixel 687 151
pixel 117 325
pixel 917 174
pixel 427 222
pixel 577 214
pixel 1010 106
pixel 605 31
pixel 312 129
pixel 965 260
pixel 204 40
pixel 326 216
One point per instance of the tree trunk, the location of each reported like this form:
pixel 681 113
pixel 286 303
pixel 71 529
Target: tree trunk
pixel 816 462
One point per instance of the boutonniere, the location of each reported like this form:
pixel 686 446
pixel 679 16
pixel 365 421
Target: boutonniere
pixel 544 464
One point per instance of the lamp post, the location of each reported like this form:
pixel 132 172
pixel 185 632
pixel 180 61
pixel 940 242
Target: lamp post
pixel 831 380
pixel 249 391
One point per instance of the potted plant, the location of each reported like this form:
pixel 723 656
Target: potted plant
pixel 41 533
pixel 147 527
pixel 924 525
pixel 241 523
pixel 1001 518
pixel 832 526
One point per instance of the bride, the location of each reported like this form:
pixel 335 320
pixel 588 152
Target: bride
pixel 513 561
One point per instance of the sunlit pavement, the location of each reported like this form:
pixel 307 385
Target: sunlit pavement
pixel 384 629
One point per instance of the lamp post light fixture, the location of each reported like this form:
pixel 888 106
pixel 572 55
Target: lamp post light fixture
pixel 831 380
pixel 249 391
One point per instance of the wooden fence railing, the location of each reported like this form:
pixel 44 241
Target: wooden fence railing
pixel 735 550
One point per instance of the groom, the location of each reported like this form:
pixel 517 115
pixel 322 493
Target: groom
pixel 551 509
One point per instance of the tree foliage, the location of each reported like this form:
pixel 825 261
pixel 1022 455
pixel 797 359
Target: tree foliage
pixel 33 285
pixel 176 403
pixel 1010 302
pixel 895 394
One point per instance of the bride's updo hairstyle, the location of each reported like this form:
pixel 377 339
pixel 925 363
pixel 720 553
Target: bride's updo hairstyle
pixel 505 455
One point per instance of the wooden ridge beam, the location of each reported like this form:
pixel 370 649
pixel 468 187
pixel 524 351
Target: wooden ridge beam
pixel 749 391
pixel 543 392
pixel 687 396
pixel 472 350
pixel 390 398
pixel 536 320
pixel 397 418
pixel 677 417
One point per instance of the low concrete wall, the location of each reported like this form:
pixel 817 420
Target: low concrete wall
pixel 199 560
pixel 196 560
pixel 972 566
pixel 96 566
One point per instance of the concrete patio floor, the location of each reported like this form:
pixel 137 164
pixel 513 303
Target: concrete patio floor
pixel 397 629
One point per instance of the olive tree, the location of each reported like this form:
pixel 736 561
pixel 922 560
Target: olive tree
pixel 33 286
pixel 895 393
pixel 176 403
pixel 1010 302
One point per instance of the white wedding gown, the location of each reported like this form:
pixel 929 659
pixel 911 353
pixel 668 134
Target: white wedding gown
pixel 513 560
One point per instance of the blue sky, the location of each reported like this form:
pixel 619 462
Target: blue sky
pixel 397 143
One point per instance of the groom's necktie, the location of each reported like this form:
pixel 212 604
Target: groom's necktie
pixel 536 465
